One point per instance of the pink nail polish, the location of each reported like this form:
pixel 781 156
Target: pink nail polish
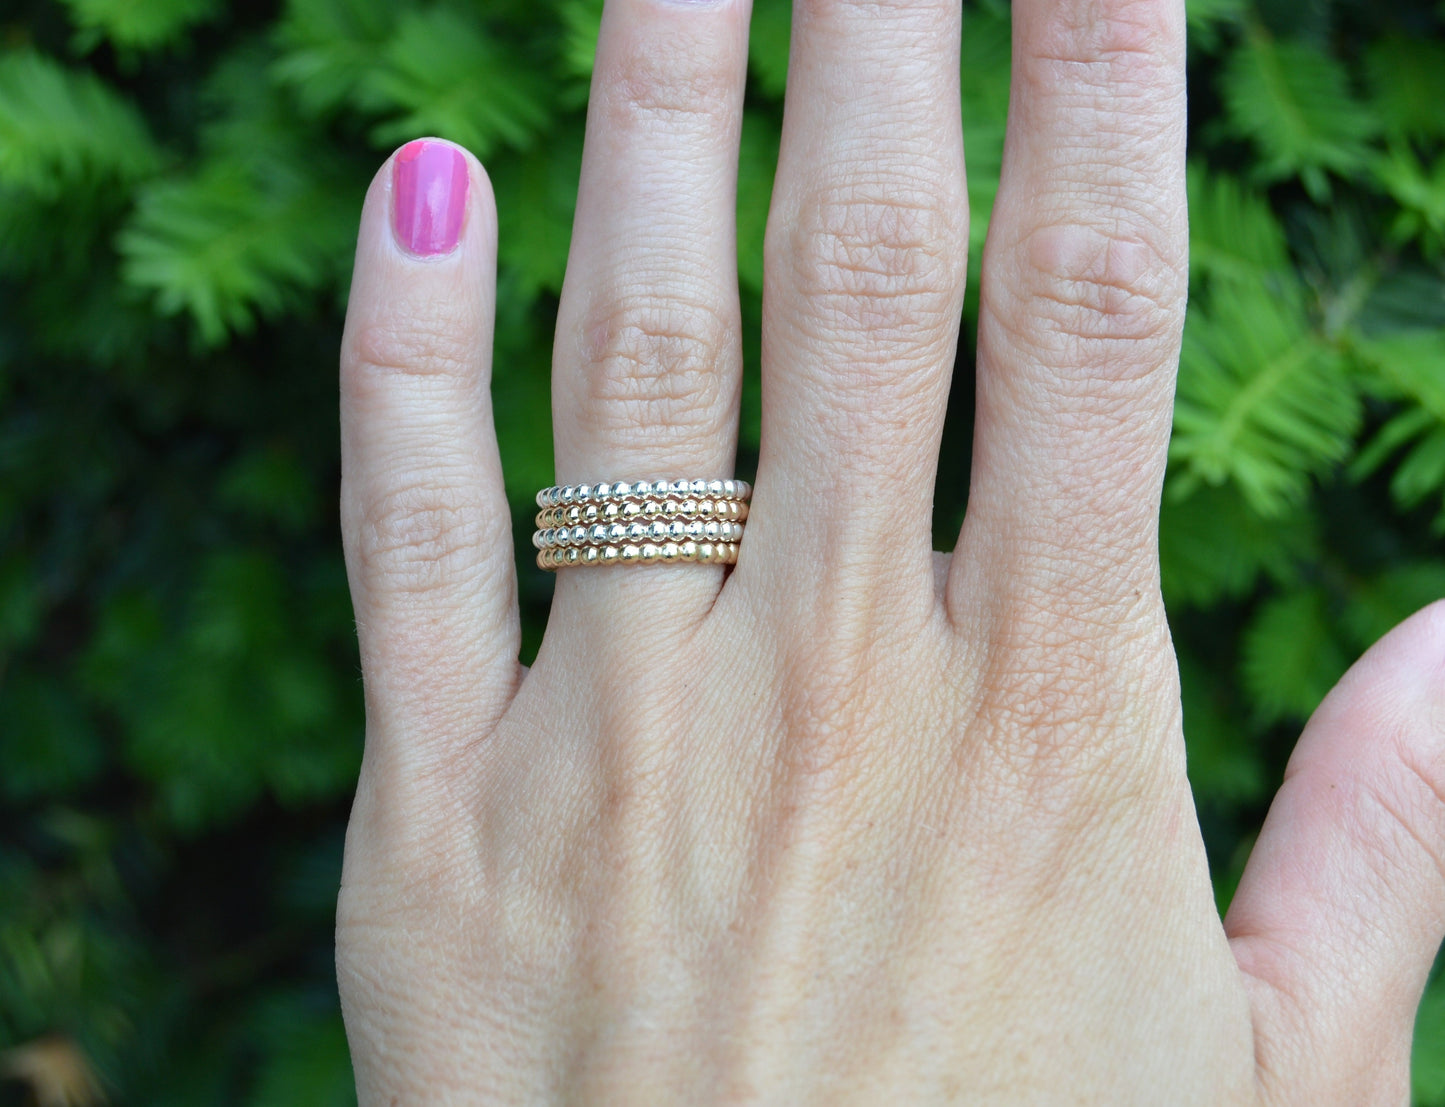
pixel 429 197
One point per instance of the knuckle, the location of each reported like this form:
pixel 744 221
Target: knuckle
pixel 1102 293
pixel 888 261
pixel 679 89
pixel 1115 39
pixel 419 537
pixel 655 366
pixel 415 341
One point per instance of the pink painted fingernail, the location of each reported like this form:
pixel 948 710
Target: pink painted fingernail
pixel 429 197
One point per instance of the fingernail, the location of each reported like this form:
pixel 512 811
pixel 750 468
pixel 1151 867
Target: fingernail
pixel 429 197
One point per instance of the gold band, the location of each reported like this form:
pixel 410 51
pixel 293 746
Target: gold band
pixel 645 553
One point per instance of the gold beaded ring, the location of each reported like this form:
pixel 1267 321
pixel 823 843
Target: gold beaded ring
pixel 641 523
pixel 646 553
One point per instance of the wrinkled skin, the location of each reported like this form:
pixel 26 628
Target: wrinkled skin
pixel 854 822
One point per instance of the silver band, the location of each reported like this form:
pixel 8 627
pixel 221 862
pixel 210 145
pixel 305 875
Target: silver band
pixel 606 491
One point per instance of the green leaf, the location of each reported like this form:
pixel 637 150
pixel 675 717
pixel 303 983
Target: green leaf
pixel 329 48
pixel 1407 84
pixel 136 24
pixel 1389 598
pixel 1291 655
pixel 265 214
pixel 1213 546
pixel 984 74
pixel 21 603
pixel 1263 402
pixel 1233 233
pixel 757 162
pixel 227 246
pixel 305 1058
pixel 48 746
pixel 232 702
pixel 60 128
pixel 269 484
pixel 1295 104
pixel 1427 1058
pixel 1207 18
pixel 536 195
pixel 1406 368
pixel 444 75
pixel 1224 765
pixel 581 21
pixel 769 38
pixel 1420 192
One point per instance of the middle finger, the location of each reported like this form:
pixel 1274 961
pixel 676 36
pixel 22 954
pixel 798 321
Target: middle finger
pixel 867 253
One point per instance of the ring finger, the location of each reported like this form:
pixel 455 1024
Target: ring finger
pixel 647 363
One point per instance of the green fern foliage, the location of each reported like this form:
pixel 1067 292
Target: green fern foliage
pixel 1234 234
pixel 1406 78
pixel 1408 369
pixel 61 128
pixel 1292 655
pixel 769 39
pixel 1295 104
pixel 1264 402
pixel 443 74
pixel 133 25
pixel 226 247
pixel 330 48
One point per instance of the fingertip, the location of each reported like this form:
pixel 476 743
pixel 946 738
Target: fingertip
pixel 431 196
pixel 1394 693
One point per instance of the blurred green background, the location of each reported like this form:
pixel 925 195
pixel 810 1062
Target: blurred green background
pixel 180 710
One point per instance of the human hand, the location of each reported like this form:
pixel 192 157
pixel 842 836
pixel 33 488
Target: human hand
pixel 855 822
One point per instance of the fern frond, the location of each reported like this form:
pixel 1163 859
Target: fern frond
pixel 1420 192
pixel 1408 369
pixel 536 193
pixel 1213 546
pixel 1208 19
pixel 1224 765
pixel 328 48
pixel 1263 401
pixel 1233 233
pixel 1291 656
pixel 1384 600
pixel 1294 103
pixel 757 162
pixel 769 38
pixel 304 1056
pixel 264 215
pixel 60 128
pixel 225 247
pixel 444 75
pixel 1407 85
pixel 984 70
pixel 136 25
pixel 1427 1058
pixel 581 20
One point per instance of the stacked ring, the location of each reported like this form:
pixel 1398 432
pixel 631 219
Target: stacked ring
pixel 641 523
